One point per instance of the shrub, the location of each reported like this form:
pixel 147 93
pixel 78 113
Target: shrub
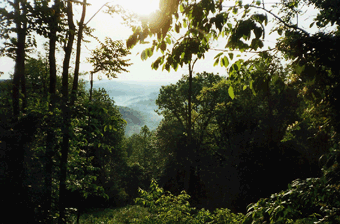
pixel 314 200
pixel 164 207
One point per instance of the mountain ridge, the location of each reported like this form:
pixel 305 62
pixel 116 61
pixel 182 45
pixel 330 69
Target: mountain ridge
pixel 136 101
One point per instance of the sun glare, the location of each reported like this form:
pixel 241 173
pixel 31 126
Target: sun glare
pixel 141 7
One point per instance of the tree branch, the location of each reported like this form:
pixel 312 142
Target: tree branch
pixel 281 21
pixel 253 52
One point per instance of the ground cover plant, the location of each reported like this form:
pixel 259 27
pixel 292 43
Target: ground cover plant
pixel 165 207
pixel 312 200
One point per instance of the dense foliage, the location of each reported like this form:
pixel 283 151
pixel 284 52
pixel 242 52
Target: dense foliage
pixel 164 207
pixel 97 162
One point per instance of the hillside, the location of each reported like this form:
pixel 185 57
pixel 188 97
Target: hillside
pixel 136 102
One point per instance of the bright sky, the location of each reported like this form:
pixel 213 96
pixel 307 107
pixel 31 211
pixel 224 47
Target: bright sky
pixel 108 26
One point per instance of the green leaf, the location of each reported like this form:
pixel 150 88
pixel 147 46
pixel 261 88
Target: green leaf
pixel 231 56
pixel 218 55
pixel 181 8
pixel 216 61
pixel 163 46
pixel 244 87
pixel 185 23
pixel 168 40
pixel 143 55
pixel 225 61
pixel 299 69
pixel 231 92
pixel 235 10
pixel 251 68
pixel 258 32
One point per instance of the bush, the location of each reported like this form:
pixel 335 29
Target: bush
pixel 127 214
pixel 164 207
pixel 314 200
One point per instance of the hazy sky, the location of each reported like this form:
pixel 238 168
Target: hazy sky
pixel 108 26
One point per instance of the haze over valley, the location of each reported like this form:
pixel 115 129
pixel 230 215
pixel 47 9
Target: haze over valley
pixel 136 101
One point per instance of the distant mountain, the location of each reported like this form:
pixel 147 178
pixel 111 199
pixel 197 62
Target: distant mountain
pixel 135 120
pixel 136 102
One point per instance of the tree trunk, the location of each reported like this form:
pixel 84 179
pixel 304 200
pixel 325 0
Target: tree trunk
pixel 188 166
pixel 18 198
pixel 77 65
pixel 66 116
pixel 51 139
pixel 19 68
pixel 23 92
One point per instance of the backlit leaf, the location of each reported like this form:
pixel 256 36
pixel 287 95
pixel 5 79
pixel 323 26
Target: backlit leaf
pixel 216 61
pixel 231 92
pixel 143 55
pixel 231 56
pixel 181 8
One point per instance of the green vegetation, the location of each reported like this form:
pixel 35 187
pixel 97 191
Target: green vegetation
pixel 127 214
pixel 157 206
pixel 258 146
pixel 134 119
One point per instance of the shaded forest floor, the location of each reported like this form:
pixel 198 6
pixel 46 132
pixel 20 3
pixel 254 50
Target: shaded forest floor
pixel 127 214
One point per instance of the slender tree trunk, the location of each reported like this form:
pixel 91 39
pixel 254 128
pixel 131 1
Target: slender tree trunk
pixel 188 165
pixel 189 105
pixel 19 199
pixel 66 116
pixel 91 88
pixel 23 92
pixel 51 139
pixel 77 65
pixel 19 68
pixel 23 75
pixel 270 135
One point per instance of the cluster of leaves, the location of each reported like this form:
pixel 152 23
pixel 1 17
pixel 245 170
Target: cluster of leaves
pixel 313 200
pixel 201 23
pixel 108 58
pixel 165 207
pixel 142 149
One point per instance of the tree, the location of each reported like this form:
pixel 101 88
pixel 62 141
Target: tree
pixel 202 22
pixel 235 139
pixel 17 14
pixel 20 12
pixel 78 51
pixel 144 152
pixel 174 104
pixel 199 23
pixel 54 21
pixel 65 114
pixel 54 27
pixel 205 21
